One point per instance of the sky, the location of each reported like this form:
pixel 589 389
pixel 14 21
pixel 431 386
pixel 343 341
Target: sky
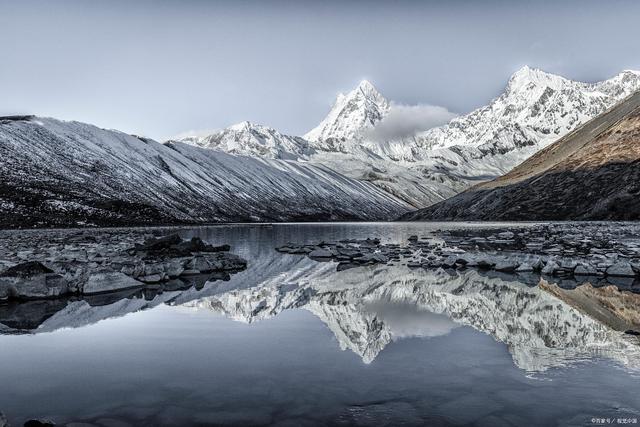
pixel 163 68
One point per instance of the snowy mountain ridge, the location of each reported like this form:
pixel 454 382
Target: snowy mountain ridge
pixel 535 109
pixel 70 173
pixel 250 139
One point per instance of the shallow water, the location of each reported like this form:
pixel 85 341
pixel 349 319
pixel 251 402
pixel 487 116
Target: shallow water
pixel 290 341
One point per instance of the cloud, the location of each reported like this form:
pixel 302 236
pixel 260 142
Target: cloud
pixel 407 120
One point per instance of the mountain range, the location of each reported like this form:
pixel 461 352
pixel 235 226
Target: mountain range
pixel 593 173
pixel 57 173
pixel 535 109
pixel 60 173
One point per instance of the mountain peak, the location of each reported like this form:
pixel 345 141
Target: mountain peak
pixel 527 76
pixel 244 125
pixel 352 113
pixel 366 86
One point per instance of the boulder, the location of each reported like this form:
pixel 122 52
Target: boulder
pixel 621 269
pixel 321 253
pixel 199 263
pixel 346 266
pixel 485 264
pixel 26 270
pixel 159 244
pixel 43 285
pixel 413 238
pixel 550 267
pixel 3 420
pixel 524 268
pixel 153 278
pixel 585 270
pixel 108 281
pixel 537 264
pixel 506 266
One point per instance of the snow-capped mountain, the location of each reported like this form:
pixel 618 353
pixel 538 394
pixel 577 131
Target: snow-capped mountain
pixel 586 175
pixel 59 173
pixel 250 139
pixel 535 109
pixel 351 114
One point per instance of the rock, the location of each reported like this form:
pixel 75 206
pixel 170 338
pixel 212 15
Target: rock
pixel 346 266
pixel 26 270
pixel 321 253
pixel 537 264
pixel 413 238
pixel 380 258
pixel 197 245
pixel 524 268
pixel 152 278
pixel 44 285
pixel 506 235
pixel 621 269
pixel 108 281
pixel 3 420
pixel 174 268
pixel 160 244
pixel 484 264
pixel 349 252
pixel 632 332
pixel 42 422
pixel 199 264
pixel 585 270
pixel 568 264
pixel 506 266
pixel 550 267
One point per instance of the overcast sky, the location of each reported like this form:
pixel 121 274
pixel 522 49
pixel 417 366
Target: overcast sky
pixel 164 67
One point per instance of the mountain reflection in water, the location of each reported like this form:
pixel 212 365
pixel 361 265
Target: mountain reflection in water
pixel 419 347
pixel 368 307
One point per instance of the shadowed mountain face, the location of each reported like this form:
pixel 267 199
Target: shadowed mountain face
pixel 591 174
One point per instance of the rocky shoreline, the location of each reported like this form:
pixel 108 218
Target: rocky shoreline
pixel 54 264
pixel 573 252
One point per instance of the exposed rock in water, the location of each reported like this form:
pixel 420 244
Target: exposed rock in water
pixel 621 269
pixel 84 264
pixel 31 280
pixel 107 281
pixel 26 270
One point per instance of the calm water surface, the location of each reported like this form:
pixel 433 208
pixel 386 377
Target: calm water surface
pixel 290 341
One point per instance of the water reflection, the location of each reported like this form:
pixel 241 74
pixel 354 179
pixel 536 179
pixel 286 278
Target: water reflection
pixel 367 308
pixel 420 347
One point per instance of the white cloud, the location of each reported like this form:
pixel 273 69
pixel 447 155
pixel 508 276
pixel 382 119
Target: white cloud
pixel 407 120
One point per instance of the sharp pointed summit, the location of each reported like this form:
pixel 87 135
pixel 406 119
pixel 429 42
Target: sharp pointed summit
pixel 352 113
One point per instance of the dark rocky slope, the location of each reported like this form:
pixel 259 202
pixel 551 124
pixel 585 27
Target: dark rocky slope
pixel 591 174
